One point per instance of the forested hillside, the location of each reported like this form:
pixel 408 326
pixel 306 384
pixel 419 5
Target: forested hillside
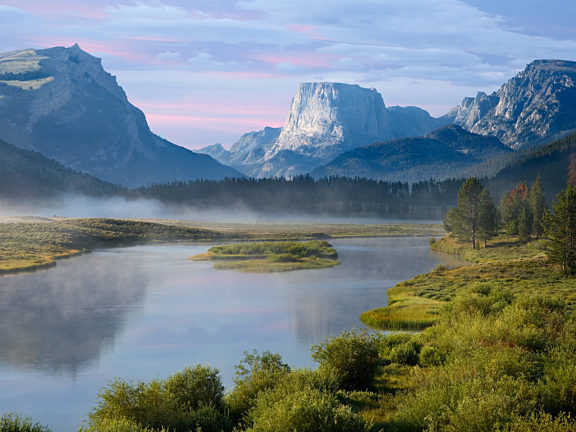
pixel 29 175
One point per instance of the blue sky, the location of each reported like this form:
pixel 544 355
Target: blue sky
pixel 208 71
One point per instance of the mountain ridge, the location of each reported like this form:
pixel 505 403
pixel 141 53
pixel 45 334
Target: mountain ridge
pixel 61 102
pixel 535 106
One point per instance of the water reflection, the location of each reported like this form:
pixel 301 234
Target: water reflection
pixel 328 303
pixel 146 312
pixel 60 320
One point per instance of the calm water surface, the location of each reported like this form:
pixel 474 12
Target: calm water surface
pixel 146 312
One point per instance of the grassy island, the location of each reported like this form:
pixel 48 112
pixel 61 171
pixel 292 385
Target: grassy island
pixel 269 257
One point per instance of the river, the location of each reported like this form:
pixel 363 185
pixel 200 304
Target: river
pixel 146 312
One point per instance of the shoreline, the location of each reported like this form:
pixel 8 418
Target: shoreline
pixel 27 240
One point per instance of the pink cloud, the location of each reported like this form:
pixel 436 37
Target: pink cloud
pixel 214 108
pixel 199 121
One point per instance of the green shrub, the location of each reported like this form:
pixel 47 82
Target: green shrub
pixel 187 400
pixel 113 425
pixel 196 387
pixel 284 257
pixel 353 356
pixel 401 348
pixel 541 422
pixel 255 373
pixel 15 423
pixel 304 410
pixel 431 355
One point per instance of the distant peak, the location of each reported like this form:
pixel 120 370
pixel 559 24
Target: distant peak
pixel 552 64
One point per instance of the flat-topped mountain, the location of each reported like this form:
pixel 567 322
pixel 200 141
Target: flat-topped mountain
pixel 535 106
pixel 63 104
pixel 325 120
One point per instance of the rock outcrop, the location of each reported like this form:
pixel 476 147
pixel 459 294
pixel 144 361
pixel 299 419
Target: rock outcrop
pixel 537 105
pixel 325 120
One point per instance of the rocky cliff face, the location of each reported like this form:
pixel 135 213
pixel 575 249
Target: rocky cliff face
pixel 536 105
pixel 325 120
pixel 328 118
pixel 63 104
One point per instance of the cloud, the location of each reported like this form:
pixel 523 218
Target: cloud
pixel 243 51
pixel 169 55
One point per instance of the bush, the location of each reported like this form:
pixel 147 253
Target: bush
pixel 401 348
pixel 304 410
pixel 255 373
pixel 353 356
pixel 187 400
pixel 196 387
pixel 15 423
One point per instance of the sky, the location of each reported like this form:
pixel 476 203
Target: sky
pixel 208 71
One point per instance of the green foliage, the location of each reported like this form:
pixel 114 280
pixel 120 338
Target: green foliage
pixel 541 422
pixel 514 205
pixel 256 373
pixel 474 216
pixel 303 410
pixel 187 400
pixel 537 206
pixel 15 423
pixel 352 356
pixel 401 348
pixel 560 228
pixel 106 424
pixel 273 256
pixel 488 217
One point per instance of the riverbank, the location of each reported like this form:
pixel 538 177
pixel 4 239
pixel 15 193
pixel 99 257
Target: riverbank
pixel 505 263
pixel 29 243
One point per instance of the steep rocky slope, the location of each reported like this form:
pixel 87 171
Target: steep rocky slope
pixel 63 104
pixel 535 106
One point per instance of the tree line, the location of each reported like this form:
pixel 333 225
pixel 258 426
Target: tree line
pixel 523 213
pixel 303 195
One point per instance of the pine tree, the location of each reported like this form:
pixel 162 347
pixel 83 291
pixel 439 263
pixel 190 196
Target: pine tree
pixel 511 206
pixel 464 220
pixel 524 225
pixel 572 170
pixel 537 206
pixel 560 228
pixel 488 217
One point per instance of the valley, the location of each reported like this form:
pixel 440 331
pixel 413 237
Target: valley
pixel 360 266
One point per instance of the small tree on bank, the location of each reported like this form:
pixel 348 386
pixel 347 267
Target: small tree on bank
pixel 537 201
pixel 475 216
pixel 560 228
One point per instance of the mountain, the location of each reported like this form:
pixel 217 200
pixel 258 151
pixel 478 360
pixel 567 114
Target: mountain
pixel 247 153
pixel 26 174
pixel 325 120
pixel 536 106
pixel 63 104
pixel 443 153
pixel 549 161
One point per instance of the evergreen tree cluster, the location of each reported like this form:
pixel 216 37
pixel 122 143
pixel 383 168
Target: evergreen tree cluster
pixel 522 210
pixel 475 216
pixel 339 196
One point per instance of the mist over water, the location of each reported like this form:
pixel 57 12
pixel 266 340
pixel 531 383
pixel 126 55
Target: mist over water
pixel 145 312
pixel 119 207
